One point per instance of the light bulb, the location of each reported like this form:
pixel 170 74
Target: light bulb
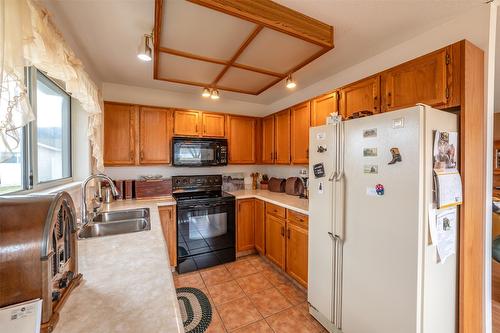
pixel 206 92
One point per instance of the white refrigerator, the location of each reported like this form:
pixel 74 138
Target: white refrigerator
pixel 371 266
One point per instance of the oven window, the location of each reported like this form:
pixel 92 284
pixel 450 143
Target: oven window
pixel 203 230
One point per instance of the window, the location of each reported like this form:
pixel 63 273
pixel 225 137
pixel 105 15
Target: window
pixel 52 128
pixel 42 156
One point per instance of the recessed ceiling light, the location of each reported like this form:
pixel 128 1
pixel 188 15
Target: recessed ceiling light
pixel 290 83
pixel 215 94
pixel 206 93
pixel 145 51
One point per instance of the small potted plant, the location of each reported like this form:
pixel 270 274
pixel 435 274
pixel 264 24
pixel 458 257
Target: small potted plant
pixel 264 182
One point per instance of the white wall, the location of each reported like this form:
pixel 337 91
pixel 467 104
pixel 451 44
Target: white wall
pixel 168 171
pixel 80 146
pixel 158 97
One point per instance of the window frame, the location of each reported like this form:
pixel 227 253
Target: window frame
pixel 29 136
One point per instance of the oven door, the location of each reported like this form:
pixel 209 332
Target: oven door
pixel 187 152
pixel 205 235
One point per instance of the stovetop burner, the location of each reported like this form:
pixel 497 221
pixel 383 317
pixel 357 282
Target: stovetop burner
pixel 206 188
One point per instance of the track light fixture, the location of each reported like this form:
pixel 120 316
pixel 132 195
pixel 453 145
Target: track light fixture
pixel 145 52
pixel 206 93
pixel 290 82
pixel 210 92
pixel 215 94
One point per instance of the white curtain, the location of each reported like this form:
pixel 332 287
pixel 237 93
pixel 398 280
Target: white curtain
pixel 30 38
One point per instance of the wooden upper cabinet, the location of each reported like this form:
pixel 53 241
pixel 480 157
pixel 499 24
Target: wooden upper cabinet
pixel 245 225
pixel 322 106
pixel 241 139
pixel 423 80
pixel 300 122
pixel 268 155
pixel 282 137
pixel 363 95
pixel 119 133
pixel 186 122
pixel 155 134
pixel 213 124
pixel 260 226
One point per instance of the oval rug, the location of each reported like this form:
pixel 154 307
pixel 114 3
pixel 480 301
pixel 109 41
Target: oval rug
pixel 196 310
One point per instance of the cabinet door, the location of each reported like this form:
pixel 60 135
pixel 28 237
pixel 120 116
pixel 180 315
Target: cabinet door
pixel 213 125
pixel 119 134
pixel 360 96
pixel 422 80
pixel 322 106
pixel 241 140
pixel 282 137
pixel 296 253
pixel 245 229
pixel 169 227
pixel 260 226
pixel 300 121
pixel 155 134
pixel 186 122
pixel 268 140
pixel 275 240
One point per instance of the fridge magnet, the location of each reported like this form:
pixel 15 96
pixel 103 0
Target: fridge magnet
pixel 370 169
pixel 321 149
pixel 396 156
pixel 379 188
pixel 369 152
pixel 370 133
pixel 319 170
pixel 445 150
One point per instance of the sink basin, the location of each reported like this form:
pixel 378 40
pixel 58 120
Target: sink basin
pixel 116 223
pixel 121 215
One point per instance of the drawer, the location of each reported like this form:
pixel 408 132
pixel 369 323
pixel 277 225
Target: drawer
pixel 275 210
pixel 299 219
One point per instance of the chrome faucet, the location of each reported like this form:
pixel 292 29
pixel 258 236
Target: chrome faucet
pixel 85 214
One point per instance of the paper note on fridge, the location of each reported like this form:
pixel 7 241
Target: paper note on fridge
pixel 448 188
pixel 443 232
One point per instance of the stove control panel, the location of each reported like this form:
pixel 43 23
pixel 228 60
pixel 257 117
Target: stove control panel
pixel 194 182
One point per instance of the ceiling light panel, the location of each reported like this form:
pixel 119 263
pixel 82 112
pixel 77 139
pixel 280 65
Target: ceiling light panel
pixel 245 80
pixel 194 29
pixel 276 51
pixel 174 67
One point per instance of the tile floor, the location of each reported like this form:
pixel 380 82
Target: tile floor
pixel 250 295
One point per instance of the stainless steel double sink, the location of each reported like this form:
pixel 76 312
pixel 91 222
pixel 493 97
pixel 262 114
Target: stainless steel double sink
pixel 117 222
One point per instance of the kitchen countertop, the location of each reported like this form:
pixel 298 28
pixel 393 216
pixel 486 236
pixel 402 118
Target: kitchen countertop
pixel 282 199
pixel 127 283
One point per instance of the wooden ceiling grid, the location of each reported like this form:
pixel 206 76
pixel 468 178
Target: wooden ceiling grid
pixel 265 14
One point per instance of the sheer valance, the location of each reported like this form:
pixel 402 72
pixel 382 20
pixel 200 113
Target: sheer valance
pixel 29 38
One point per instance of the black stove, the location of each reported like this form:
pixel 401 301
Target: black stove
pixel 205 222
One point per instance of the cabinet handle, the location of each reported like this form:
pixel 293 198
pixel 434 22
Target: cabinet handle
pixel 282 231
pixel 288 232
pixel 307 152
pixel 375 102
pixel 205 129
pixel 389 99
pixel 142 155
pixel 131 154
pixel 170 214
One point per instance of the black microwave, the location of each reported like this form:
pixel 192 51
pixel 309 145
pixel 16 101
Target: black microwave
pixel 196 152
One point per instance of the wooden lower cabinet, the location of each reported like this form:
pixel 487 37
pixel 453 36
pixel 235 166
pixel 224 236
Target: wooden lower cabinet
pixel 260 226
pixel 169 227
pixel 245 224
pixel 275 240
pixel 296 252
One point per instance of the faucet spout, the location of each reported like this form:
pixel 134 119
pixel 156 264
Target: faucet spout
pixel 85 214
